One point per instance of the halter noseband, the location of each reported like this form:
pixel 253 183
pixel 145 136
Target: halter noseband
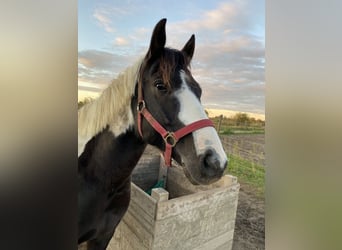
pixel 170 138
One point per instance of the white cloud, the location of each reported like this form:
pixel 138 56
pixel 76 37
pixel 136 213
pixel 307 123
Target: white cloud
pixel 101 67
pixel 103 19
pixel 229 59
pixel 224 19
pixel 228 62
pixel 121 41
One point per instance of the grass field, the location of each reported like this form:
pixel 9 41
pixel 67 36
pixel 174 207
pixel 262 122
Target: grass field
pixel 247 172
pixel 242 130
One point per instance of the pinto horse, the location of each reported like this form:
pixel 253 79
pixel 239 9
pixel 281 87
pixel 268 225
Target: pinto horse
pixel 156 102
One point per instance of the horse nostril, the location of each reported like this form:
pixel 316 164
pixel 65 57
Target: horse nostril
pixel 212 165
pixel 210 161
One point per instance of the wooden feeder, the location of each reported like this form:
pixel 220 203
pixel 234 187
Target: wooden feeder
pixel 178 216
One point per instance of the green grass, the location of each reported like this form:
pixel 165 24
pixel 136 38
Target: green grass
pixel 233 131
pixel 247 172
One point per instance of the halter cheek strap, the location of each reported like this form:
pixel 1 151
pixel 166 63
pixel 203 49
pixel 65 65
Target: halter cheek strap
pixel 170 138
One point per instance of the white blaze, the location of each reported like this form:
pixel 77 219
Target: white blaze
pixel 191 110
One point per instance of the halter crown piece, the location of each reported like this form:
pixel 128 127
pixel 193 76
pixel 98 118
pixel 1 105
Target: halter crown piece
pixel 170 138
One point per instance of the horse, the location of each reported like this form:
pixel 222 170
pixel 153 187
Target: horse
pixel 156 101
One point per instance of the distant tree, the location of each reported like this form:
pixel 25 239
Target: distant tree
pixel 241 119
pixel 260 122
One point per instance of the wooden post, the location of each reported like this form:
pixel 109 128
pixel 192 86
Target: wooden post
pixel 160 194
pixel 162 170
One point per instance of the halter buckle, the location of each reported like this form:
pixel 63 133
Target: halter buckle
pixel 170 139
pixel 141 105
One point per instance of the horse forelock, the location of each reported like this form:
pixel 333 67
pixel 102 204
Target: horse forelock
pixel 168 62
pixel 112 108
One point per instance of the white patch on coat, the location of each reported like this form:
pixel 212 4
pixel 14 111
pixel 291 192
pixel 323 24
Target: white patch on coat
pixel 191 110
pixel 118 128
pixel 112 108
pixel 82 141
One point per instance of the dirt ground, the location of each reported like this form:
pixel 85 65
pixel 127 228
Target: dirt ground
pixel 250 221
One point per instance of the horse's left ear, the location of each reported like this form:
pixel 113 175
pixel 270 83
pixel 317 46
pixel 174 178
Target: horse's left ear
pixel 158 40
pixel 189 47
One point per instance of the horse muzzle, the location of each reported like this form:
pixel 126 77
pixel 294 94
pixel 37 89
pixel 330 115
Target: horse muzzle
pixel 211 166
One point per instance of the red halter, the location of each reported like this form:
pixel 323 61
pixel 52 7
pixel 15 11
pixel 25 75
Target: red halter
pixel 170 138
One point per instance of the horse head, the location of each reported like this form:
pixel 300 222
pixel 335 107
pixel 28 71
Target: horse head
pixel 167 90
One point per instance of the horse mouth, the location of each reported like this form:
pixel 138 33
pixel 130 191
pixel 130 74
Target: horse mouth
pixel 200 180
pixel 199 175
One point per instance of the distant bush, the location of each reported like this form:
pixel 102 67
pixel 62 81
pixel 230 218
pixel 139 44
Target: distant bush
pixel 240 123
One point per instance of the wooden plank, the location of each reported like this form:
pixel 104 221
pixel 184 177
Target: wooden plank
pixel 211 219
pixel 191 223
pixel 226 246
pixel 145 174
pixel 124 239
pixel 143 216
pixel 192 237
pixel 224 240
pixel 163 171
pixel 146 202
pixel 145 183
pixel 140 230
pixel 209 233
pixel 214 197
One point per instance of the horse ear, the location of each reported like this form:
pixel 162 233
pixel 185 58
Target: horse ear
pixel 158 39
pixel 189 47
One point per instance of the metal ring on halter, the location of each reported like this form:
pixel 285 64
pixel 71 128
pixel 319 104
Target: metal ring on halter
pixel 171 136
pixel 141 105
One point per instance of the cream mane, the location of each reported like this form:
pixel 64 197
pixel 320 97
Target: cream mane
pixel 112 108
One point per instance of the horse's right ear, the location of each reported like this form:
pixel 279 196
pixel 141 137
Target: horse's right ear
pixel 158 40
pixel 189 47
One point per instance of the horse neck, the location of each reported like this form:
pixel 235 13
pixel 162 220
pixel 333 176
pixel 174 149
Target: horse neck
pixel 111 159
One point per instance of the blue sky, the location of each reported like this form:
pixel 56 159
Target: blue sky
pixel 229 56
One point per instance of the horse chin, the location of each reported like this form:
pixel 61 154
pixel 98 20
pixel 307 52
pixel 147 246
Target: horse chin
pixel 189 177
pixel 194 169
pixel 187 174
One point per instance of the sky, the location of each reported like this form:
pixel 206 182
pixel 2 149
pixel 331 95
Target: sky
pixel 229 59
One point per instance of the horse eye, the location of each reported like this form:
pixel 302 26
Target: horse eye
pixel 160 86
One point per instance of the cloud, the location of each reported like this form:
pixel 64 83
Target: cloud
pixel 225 19
pixel 229 57
pixel 101 67
pixel 103 19
pixel 106 15
pixel 92 89
pixel 96 59
pixel 121 41
pixel 216 19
